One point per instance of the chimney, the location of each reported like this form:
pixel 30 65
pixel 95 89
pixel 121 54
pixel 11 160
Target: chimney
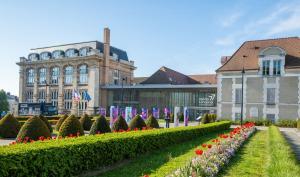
pixel 224 59
pixel 106 54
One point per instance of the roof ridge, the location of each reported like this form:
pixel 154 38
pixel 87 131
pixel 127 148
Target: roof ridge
pixel 272 39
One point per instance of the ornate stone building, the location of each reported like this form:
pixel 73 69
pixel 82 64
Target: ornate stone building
pixel 50 74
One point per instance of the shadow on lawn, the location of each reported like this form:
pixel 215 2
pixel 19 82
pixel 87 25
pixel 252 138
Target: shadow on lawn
pixel 149 162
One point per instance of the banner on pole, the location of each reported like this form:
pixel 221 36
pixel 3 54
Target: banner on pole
pixel 128 114
pixel 144 113
pixel 155 112
pixel 186 116
pixel 113 115
pixel 102 111
pixel 176 116
pixel 134 112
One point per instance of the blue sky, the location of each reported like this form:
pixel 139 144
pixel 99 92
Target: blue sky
pixel 188 36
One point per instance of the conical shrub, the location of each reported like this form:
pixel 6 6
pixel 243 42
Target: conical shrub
pixel 45 120
pixel 137 122
pixel 86 122
pixel 71 126
pixel 151 122
pixel 33 129
pixel 60 121
pixel 100 125
pixel 9 126
pixel 120 124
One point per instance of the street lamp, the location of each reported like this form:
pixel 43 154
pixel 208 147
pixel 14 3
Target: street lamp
pixel 242 101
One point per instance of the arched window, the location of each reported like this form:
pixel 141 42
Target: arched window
pixel 30 76
pixel 45 56
pixel 54 75
pixel 83 74
pixel 33 57
pixel 68 75
pixel 42 76
pixel 58 54
pixel 84 51
pixel 72 53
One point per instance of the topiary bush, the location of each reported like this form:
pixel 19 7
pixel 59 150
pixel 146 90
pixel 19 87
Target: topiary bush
pixel 45 120
pixel 100 125
pixel 86 122
pixel 151 122
pixel 9 126
pixel 61 121
pixel 33 129
pixel 71 126
pixel 137 122
pixel 181 117
pixel 120 124
pixel 205 119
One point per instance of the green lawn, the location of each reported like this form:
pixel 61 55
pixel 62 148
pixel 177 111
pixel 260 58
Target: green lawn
pixel 162 162
pixel 265 154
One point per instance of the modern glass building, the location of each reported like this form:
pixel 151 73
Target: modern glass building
pixel 168 88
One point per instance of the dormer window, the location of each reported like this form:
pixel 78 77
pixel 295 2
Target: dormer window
pixel 272 60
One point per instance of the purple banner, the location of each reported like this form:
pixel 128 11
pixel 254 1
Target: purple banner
pixel 144 113
pixel 155 112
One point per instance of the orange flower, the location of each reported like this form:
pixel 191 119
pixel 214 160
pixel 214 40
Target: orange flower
pixel 198 151
pixel 209 146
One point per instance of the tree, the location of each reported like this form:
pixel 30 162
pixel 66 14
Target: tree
pixel 4 106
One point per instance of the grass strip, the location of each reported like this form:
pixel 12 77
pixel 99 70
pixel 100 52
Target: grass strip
pixel 283 161
pixel 161 162
pixel 251 160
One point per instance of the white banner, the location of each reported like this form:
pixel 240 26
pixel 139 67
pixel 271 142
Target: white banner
pixel 128 114
pixel 176 114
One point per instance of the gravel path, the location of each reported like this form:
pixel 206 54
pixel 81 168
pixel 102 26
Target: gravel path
pixel 292 135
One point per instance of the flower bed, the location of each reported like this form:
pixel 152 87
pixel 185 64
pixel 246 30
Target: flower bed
pixel 70 156
pixel 210 158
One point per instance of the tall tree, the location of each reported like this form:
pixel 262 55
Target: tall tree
pixel 4 106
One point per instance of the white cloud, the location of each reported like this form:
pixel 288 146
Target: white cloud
pixel 230 20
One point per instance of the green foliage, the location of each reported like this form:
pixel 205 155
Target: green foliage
pixel 151 122
pixel 181 117
pixel 137 122
pixel 71 156
pixel 120 124
pixel 9 126
pixel 60 121
pixel 71 126
pixel 298 124
pixel 286 123
pixel 172 118
pixel 100 125
pixel 205 119
pixel 4 106
pixel 33 129
pixel 45 120
pixel 86 122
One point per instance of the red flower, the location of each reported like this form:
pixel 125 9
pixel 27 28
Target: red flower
pixel 204 145
pixel 146 176
pixel 144 128
pixel 198 151
pixel 98 132
pixel 41 138
pixel 31 141
pixel 209 146
pixel 78 134
pixel 71 135
pixel 136 129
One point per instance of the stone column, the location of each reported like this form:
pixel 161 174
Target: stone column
pixel 93 89
pixel 35 86
pixel 60 101
pixel 22 82
pixel 75 83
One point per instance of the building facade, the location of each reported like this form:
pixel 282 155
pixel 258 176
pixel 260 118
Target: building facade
pixel 168 88
pixel 271 84
pixel 50 74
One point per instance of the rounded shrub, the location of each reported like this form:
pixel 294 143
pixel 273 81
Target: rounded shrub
pixel 137 122
pixel 205 119
pixel 45 120
pixel 33 129
pixel 100 125
pixel 86 122
pixel 71 126
pixel 9 126
pixel 151 122
pixel 120 124
pixel 60 121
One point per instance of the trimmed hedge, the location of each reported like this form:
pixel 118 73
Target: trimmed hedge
pixel 86 122
pixel 72 156
pixel 151 122
pixel 137 122
pixel 9 126
pixel 120 124
pixel 71 126
pixel 61 121
pixel 33 129
pixel 100 125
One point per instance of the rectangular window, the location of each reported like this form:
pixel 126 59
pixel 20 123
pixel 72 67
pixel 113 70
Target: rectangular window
pixel 271 96
pixel 271 117
pixel 276 67
pixel 54 97
pixel 238 96
pixel 42 96
pixel 29 96
pixel 266 68
pixel 116 76
pixel 68 99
